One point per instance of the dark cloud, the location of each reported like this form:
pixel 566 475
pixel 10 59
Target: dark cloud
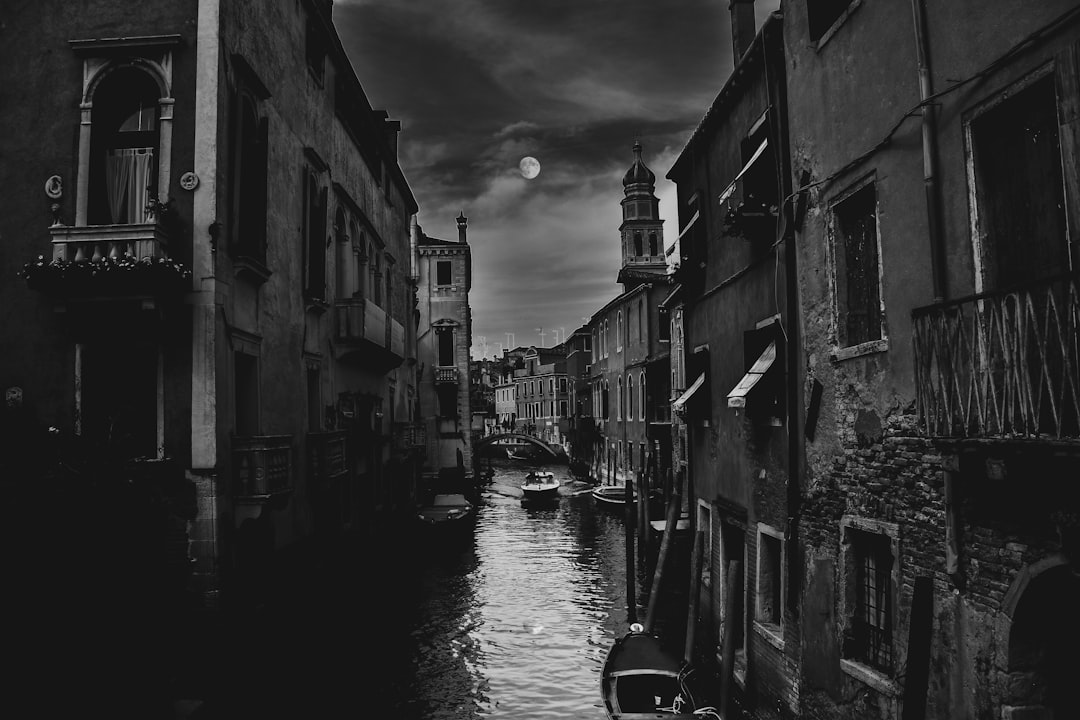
pixel 478 84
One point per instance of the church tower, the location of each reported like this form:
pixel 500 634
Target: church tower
pixel 642 229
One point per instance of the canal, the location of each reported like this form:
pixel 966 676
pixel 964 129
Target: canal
pixel 512 622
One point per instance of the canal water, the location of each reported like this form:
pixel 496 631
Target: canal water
pixel 511 622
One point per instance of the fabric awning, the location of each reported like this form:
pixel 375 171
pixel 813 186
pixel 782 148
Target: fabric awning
pixel 737 397
pixel 690 224
pixel 753 158
pixel 680 404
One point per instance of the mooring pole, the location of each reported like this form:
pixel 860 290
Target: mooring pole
pixel 727 655
pixel 695 594
pixel 674 505
pixel 631 592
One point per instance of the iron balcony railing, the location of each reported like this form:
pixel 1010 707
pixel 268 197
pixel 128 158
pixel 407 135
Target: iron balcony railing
pixel 262 465
pixel 446 375
pixel 1001 364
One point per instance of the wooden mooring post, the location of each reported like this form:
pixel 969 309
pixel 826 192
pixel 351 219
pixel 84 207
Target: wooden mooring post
pixel 674 507
pixel 631 586
pixel 696 562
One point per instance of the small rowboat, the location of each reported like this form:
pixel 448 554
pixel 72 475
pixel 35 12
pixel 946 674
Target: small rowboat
pixel 540 485
pixel 641 681
pixel 611 495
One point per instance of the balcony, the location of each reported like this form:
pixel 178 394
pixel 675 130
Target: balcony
pixel 327 458
pixel 262 466
pixel 365 335
pixel 108 261
pixel 446 376
pixel 409 438
pixel 1001 364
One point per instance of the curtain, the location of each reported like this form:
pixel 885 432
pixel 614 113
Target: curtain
pixel 127 176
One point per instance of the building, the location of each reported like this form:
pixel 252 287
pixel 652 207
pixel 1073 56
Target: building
pixel 938 259
pixel 581 434
pixel 628 373
pixel 734 322
pixel 445 339
pixel 542 394
pixel 227 242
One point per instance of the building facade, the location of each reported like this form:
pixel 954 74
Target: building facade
pixel 445 338
pixel 222 291
pixel 938 261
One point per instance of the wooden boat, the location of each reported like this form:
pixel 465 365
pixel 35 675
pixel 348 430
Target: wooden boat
pixel 540 485
pixel 520 455
pixel 612 495
pixel 448 513
pixel 640 680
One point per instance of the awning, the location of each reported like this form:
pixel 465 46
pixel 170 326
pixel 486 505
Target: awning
pixel 737 397
pixel 753 158
pixel 690 224
pixel 680 404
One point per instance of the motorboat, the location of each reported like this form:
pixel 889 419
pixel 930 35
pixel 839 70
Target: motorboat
pixel 540 485
pixel 640 679
pixel 448 513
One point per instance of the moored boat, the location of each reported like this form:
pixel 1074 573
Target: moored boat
pixel 540 485
pixel 641 680
pixel 448 513
pixel 612 495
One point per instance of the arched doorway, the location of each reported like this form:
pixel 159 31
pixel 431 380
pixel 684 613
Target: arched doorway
pixel 1044 666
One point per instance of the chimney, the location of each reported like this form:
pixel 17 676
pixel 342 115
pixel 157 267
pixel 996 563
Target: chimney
pixel 462 224
pixel 742 26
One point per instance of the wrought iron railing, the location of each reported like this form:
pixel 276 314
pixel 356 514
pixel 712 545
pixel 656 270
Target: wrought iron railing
pixel 409 436
pixel 1001 364
pixel 446 375
pixel 262 465
pixel 327 457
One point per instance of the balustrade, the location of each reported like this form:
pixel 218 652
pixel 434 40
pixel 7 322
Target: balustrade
pixel 262 466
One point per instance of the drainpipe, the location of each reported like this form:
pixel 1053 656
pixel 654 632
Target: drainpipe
pixel 929 145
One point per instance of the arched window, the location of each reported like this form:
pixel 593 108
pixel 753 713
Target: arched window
pixel 619 402
pixel 606 401
pixel 375 268
pixel 123 145
pixel 654 244
pixel 630 397
pixel 360 255
pixel 637 244
pixel 618 332
pixel 342 254
pixel 641 397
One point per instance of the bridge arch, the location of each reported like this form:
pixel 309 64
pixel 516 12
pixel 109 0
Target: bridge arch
pixel 546 447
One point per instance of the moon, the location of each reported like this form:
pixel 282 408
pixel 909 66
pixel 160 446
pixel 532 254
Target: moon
pixel 529 167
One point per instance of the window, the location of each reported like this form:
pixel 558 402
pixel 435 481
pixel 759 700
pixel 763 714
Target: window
pixel 314 398
pixel 246 374
pixel 638 249
pixel 619 401
pixel 315 236
pixel 770 578
pixel 445 338
pixel 654 244
pixel 641 319
pixel 315 49
pixel 251 145
pixel 388 305
pixel 663 325
pixel 732 550
pixel 562 384
pixel 1019 192
pixel 857 271
pixel 443 272
pixel 630 397
pixel 641 403
pixel 360 254
pixel 822 14
pixel 375 267
pixel 342 255
pixel 870 587
pixel 563 409
pixel 123 145
pixel 618 333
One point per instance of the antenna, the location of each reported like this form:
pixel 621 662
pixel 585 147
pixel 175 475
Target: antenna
pixel 562 333
pixel 542 334
pixel 510 340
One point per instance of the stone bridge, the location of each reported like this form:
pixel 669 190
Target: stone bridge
pixel 554 450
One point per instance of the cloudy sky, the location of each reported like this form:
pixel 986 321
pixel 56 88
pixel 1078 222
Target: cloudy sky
pixel 479 84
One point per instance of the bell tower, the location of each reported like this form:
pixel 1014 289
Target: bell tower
pixel 642 230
